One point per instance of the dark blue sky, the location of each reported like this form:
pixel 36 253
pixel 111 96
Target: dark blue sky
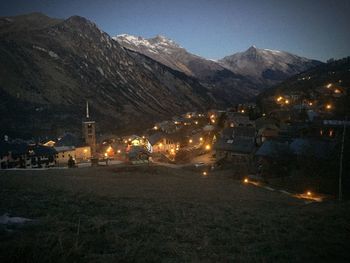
pixel 215 28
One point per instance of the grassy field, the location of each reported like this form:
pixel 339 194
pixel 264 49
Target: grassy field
pixel 153 214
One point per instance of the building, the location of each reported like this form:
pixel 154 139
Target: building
pixel 22 155
pixel 89 131
pixel 235 119
pixel 161 143
pixel 236 144
pixel 64 153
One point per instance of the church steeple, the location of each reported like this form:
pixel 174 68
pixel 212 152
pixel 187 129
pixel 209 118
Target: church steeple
pixel 89 131
pixel 87 110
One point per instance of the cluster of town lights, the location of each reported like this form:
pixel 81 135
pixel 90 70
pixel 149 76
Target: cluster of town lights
pixel 281 100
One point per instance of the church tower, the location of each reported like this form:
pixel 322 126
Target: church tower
pixel 89 131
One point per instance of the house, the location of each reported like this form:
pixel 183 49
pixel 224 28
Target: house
pixel 235 119
pixel 312 148
pixel 64 153
pixel 82 151
pixel 238 150
pixel 138 154
pixel 267 132
pixel 41 157
pixel 245 132
pixel 273 158
pixel 161 143
pixel 22 155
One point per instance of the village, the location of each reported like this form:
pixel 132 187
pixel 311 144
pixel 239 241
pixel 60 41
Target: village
pixel 284 135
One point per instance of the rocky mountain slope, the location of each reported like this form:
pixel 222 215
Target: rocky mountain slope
pixel 245 72
pixel 50 67
pixel 267 67
pixel 223 83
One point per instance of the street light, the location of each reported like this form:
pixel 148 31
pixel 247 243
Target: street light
pixel 207 147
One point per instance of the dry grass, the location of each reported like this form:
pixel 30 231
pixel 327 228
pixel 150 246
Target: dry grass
pixel 160 214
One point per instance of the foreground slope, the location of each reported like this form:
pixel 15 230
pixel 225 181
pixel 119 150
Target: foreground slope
pixel 50 67
pixel 158 214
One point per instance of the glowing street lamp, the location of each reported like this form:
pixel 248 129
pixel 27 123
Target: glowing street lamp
pixel 207 147
pixel 201 139
pixel 328 106
pixel 246 180
pixel 205 173
pixel 287 101
pixel 190 140
pixel 329 85
pixel 308 193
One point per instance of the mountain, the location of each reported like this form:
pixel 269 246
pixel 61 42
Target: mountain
pixel 238 77
pixel 225 85
pixel 169 53
pixel 50 67
pixel 267 67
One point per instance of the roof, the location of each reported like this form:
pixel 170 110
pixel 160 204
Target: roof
pixel 265 121
pixel 69 139
pixel 64 148
pixel 15 148
pixel 23 148
pixel 227 133
pixel 238 145
pixel 320 149
pixel 273 149
pixel 242 131
pixel 43 150
pixel 154 138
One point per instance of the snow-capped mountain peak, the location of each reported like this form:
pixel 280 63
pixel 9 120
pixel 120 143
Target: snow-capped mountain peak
pixel 266 65
pixel 155 44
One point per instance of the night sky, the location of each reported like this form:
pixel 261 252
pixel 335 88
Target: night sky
pixel 316 29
